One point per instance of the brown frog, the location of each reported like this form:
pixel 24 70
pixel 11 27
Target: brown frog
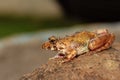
pixel 80 43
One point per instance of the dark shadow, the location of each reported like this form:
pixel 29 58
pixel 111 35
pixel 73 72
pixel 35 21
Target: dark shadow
pixel 91 10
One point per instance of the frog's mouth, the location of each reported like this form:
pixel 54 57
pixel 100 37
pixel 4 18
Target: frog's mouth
pixel 61 55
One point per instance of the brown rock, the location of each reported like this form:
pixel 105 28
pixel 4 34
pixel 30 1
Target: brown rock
pixel 104 65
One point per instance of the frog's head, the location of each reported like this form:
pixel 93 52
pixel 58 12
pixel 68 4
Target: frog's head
pixel 51 44
pixel 53 40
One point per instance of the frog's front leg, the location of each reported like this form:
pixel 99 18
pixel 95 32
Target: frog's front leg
pixel 71 53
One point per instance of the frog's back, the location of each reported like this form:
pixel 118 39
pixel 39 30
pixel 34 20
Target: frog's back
pixel 83 36
pixel 79 37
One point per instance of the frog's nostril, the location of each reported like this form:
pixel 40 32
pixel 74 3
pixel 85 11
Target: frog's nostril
pixel 48 47
pixel 61 48
pixel 54 46
pixel 60 54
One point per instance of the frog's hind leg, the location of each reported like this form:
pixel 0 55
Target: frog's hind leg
pixel 101 42
pixel 108 44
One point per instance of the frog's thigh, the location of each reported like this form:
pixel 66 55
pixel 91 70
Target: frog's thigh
pixel 99 41
pixel 108 43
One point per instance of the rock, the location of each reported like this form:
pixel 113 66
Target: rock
pixel 104 65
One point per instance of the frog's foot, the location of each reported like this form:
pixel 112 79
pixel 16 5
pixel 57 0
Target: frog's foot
pixel 101 42
pixel 64 60
pixel 101 31
pixel 57 56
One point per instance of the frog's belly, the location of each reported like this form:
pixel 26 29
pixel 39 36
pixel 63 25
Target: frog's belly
pixel 81 50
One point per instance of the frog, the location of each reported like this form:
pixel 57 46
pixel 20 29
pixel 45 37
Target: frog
pixel 79 43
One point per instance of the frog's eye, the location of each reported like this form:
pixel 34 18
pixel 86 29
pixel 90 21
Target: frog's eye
pixel 52 39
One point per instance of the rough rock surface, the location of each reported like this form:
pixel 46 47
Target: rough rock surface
pixel 104 65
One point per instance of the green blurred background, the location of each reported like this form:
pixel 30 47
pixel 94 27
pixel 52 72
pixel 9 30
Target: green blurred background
pixel 18 16
pixel 16 26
